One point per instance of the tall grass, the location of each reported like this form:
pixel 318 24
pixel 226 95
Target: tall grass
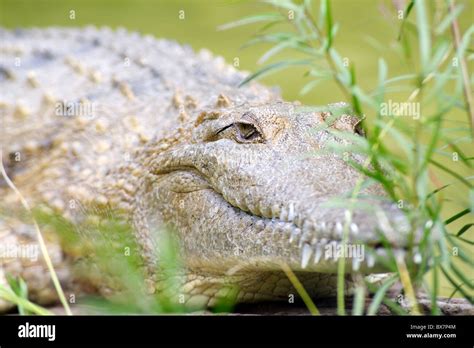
pixel 428 155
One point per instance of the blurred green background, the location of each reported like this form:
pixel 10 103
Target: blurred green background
pixel 362 23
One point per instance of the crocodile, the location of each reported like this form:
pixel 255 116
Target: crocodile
pixel 245 181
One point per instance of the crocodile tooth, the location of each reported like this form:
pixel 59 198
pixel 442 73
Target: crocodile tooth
pixel 296 232
pixel 288 229
pixel 354 228
pixel 304 238
pixel 370 260
pixel 306 255
pixel 339 228
pixel 299 220
pixel 283 214
pixel 291 211
pixel 317 253
pixel 275 227
pixel 281 227
pixel 355 264
pixel 417 258
pixel 306 226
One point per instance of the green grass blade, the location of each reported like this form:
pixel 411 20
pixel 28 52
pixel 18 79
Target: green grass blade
pixel 285 4
pixel 456 216
pixel 271 68
pixel 446 22
pixel 329 24
pixel 359 301
pixel 8 295
pixel 451 172
pixel 464 229
pixel 265 17
pixel 423 33
pixel 380 294
pixel 405 18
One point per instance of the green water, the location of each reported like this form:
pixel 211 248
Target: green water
pixel 361 22
pixel 358 20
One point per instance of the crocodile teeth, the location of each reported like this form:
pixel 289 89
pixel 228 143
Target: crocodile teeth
pixel 417 258
pixel 370 260
pixel 306 233
pixel 317 253
pixel 281 227
pixel 291 212
pixel 304 238
pixel 355 264
pixel 339 228
pixel 288 229
pixel 296 232
pixel 306 226
pixel 307 251
pixel 283 214
pixel 275 227
pixel 299 220
pixel 354 228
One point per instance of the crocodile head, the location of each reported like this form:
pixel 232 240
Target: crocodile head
pixel 255 186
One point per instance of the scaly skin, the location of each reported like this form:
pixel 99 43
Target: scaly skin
pixel 167 137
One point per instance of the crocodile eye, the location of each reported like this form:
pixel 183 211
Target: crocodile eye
pixel 242 132
pixel 246 132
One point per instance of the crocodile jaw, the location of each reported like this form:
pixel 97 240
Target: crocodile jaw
pixel 242 240
pixel 260 205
